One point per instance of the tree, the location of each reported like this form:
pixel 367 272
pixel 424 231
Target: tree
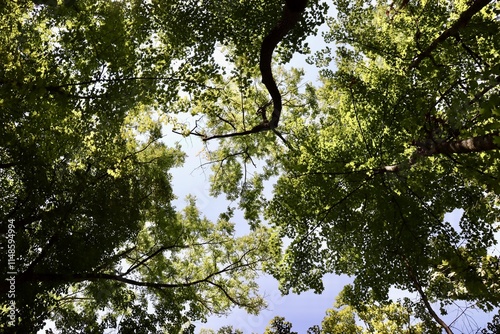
pixel 493 326
pixel 393 317
pixel 340 321
pixel 403 131
pixel 375 318
pixel 222 330
pixel 278 325
pixel 86 88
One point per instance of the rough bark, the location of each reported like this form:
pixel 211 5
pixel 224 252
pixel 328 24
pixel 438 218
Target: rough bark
pixel 470 145
pixel 475 144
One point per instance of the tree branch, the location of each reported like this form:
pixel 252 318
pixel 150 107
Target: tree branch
pixel 259 128
pixel 149 257
pixel 474 144
pixel 462 21
pixel 422 294
pixel 8 165
pixel 139 263
pixel 292 13
pixel 431 148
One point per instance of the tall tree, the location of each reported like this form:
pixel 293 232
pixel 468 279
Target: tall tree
pixel 403 130
pixel 373 317
pixel 86 88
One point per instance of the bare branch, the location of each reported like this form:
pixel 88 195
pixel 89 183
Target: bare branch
pixel 259 128
pixel 427 304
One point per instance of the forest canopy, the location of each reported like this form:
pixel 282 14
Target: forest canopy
pixel 400 129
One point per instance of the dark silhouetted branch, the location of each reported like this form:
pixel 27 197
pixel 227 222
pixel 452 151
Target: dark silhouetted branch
pixel 462 21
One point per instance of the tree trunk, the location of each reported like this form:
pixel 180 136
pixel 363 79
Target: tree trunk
pixel 425 149
pixel 475 144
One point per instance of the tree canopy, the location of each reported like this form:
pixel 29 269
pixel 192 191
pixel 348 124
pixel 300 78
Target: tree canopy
pixel 401 129
pixel 86 90
pixel 390 318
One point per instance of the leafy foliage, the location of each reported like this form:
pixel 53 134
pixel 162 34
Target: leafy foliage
pixel 278 325
pixel 86 88
pixel 394 317
pixel 402 131
pixel 493 326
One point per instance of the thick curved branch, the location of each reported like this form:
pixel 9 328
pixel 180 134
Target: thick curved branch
pixel 292 13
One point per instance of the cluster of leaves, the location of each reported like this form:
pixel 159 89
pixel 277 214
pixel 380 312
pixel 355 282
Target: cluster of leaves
pixel 401 132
